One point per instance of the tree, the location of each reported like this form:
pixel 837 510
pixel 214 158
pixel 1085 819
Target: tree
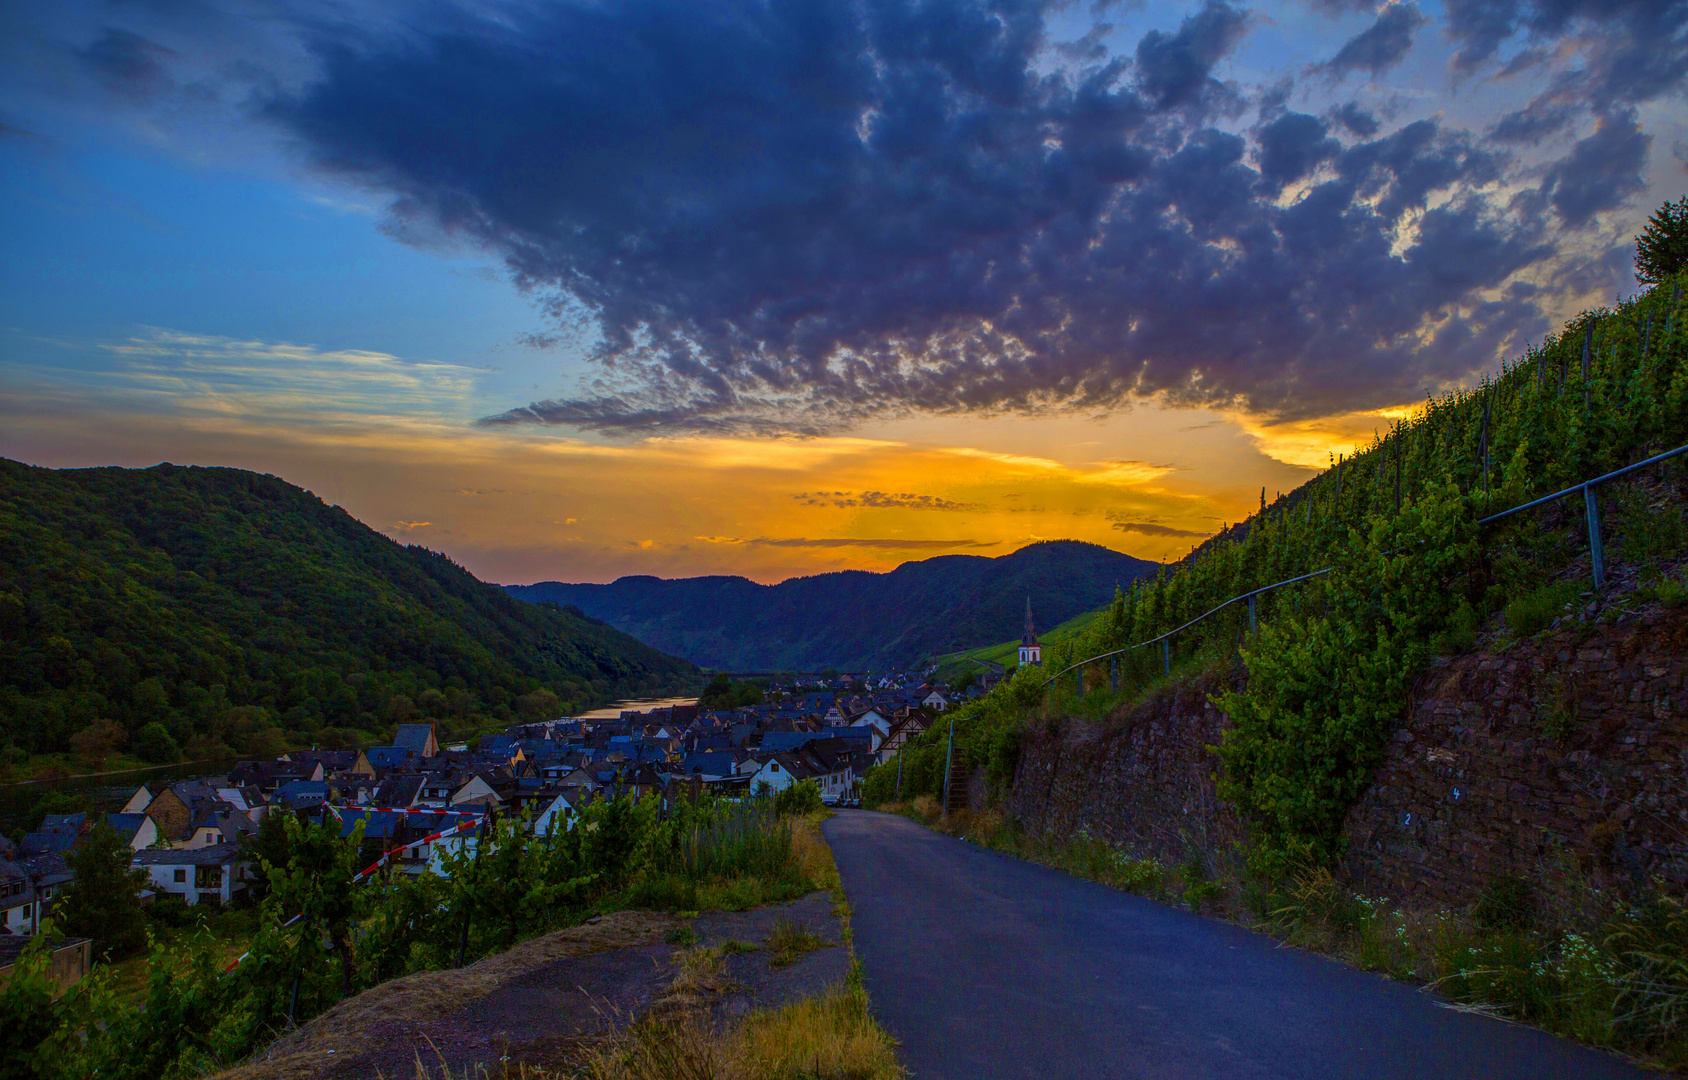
pixel 93 743
pixel 267 847
pixel 153 743
pixel 102 901
pixel 1662 248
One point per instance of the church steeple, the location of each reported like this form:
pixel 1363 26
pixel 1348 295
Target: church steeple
pixel 1030 651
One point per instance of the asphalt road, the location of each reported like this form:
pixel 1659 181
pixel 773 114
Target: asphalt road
pixel 985 966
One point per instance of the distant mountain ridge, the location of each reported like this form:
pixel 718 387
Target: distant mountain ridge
pixel 854 619
pixel 239 611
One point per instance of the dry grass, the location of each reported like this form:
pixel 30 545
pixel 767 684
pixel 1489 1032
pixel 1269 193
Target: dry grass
pixel 810 850
pixel 827 1038
pixel 790 941
pixel 348 1028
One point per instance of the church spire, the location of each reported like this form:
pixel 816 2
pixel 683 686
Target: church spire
pixel 1030 651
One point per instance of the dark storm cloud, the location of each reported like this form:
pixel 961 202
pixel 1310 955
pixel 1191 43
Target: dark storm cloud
pixel 881 500
pixel 800 216
pixel 851 542
pixel 1176 69
pixel 1601 172
pixel 1356 120
pixel 1150 529
pixel 1381 45
pixel 1292 146
pixel 1631 50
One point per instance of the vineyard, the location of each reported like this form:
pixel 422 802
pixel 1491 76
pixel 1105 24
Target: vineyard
pixel 327 932
pixel 1386 560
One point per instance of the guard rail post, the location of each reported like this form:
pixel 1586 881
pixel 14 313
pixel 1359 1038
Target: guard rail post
pixel 1596 553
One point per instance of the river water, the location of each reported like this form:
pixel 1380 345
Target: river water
pixel 106 793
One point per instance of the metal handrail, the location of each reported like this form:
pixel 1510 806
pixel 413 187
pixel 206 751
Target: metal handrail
pixel 1585 488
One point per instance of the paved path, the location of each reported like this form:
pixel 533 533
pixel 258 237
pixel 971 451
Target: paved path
pixel 985 966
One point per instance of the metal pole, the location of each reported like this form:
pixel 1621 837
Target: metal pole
pixel 475 868
pixel 899 795
pixel 1113 674
pixel 1251 623
pixel 949 756
pixel 1166 655
pixel 1596 554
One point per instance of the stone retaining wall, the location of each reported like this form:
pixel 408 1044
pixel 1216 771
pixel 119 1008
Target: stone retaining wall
pixel 1566 755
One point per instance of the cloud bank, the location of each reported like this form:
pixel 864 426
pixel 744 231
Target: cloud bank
pixel 799 216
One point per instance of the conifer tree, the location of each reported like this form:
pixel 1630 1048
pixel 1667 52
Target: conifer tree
pixel 1662 248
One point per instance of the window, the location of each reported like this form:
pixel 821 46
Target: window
pixel 181 876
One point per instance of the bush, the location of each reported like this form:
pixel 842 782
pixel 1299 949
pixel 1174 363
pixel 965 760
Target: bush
pixel 1529 615
pixel 153 743
pixel 803 797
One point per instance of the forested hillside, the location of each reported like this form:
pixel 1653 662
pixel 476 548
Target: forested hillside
pixel 236 611
pixel 855 620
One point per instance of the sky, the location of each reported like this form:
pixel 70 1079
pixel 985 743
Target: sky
pixel 575 290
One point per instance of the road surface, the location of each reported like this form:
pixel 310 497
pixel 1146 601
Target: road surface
pixel 985 966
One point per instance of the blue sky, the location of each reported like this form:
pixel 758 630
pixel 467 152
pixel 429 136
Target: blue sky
pixel 369 246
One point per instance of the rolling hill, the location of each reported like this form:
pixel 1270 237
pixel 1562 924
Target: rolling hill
pixel 241 612
pixel 854 620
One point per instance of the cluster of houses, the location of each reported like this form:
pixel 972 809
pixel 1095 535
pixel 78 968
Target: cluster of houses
pixel 187 836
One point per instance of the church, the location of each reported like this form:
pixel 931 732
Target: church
pixel 1030 651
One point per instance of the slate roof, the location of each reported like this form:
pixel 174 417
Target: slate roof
pixel 210 855
pixel 126 825
pixel 414 737
pixel 46 843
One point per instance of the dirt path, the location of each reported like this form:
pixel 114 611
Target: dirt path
pixel 543 1001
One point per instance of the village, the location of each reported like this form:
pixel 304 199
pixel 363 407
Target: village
pixel 415 797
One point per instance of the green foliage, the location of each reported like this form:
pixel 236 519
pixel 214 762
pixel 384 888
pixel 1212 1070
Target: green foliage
pixel 101 902
pixel 322 934
pixel 1662 248
pixel 1529 615
pixel 1324 691
pixel 154 744
pixel 723 693
pixel 803 797
pixel 240 613
pixel 1330 659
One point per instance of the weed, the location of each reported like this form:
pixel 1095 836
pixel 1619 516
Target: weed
pixel 1530 614
pixel 1505 903
pixel 683 936
pixel 789 941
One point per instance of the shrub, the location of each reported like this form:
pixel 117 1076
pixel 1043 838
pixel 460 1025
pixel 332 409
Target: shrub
pixel 1529 615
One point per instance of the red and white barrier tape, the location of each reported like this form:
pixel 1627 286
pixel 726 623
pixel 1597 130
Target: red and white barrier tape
pixel 470 819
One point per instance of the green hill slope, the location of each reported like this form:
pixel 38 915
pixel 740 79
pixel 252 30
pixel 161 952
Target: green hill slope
pixel 241 612
pixel 1007 653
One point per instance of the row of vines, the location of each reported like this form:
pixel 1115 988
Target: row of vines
pixel 1330 660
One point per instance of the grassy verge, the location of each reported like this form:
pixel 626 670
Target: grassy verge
pixel 831 1036
pixel 1622 986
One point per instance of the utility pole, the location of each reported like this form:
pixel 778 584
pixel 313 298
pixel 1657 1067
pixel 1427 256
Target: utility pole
pixel 949 756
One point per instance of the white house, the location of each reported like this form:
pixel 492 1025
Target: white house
pixel 198 875
pixel 778 772
pixel 137 803
pixel 935 700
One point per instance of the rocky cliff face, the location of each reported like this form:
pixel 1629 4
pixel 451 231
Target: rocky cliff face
pixel 1561 759
pixel 1562 755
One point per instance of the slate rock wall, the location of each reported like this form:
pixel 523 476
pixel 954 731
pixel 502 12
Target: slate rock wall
pixel 1562 757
